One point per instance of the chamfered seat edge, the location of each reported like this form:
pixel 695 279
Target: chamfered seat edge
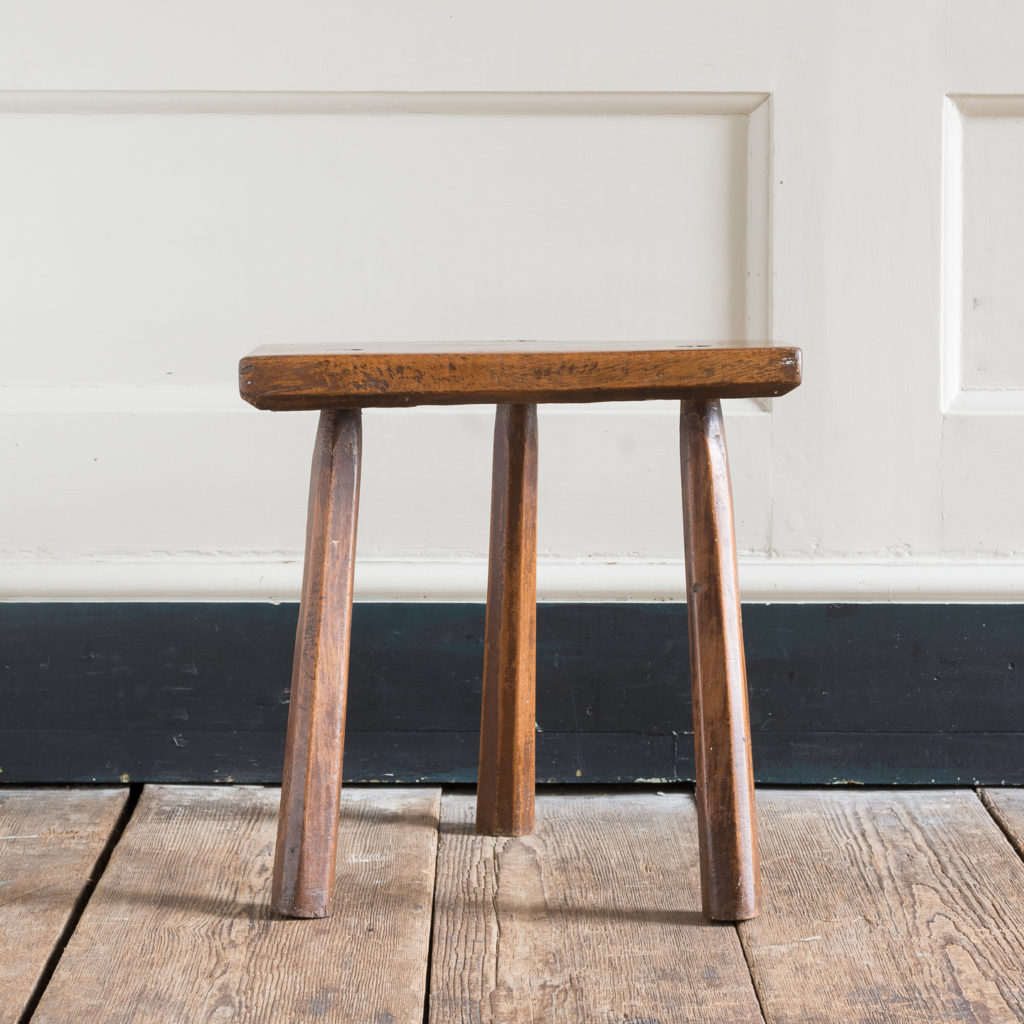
pixel 319 377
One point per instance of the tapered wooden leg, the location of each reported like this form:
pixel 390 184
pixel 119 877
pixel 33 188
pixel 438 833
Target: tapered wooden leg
pixel 730 875
pixel 504 803
pixel 311 787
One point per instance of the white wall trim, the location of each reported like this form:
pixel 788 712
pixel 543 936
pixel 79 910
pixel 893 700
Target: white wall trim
pixel 223 578
pixel 370 102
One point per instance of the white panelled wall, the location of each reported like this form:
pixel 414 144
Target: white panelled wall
pixel 181 183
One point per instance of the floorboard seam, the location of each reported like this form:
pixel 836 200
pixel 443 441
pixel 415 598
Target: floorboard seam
pixel 98 868
pixel 433 915
pixel 996 815
pixel 750 971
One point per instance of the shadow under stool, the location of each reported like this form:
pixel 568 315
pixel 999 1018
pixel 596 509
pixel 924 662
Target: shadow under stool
pixel 516 376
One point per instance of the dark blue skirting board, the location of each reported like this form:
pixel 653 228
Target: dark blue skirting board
pixel 875 694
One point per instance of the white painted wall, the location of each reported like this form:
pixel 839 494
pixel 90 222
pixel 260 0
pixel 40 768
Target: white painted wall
pixel 180 183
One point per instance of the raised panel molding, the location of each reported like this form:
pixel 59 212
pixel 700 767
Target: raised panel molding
pixel 983 254
pixel 377 102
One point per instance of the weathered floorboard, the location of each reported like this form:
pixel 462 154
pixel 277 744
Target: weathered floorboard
pixel 1007 806
pixel 49 843
pixel 179 928
pixel 886 906
pixel 593 918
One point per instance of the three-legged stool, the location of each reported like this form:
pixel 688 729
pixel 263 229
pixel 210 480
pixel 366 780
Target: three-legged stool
pixel 515 376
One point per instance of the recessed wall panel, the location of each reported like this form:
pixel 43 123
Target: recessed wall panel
pixel 156 247
pixel 990 238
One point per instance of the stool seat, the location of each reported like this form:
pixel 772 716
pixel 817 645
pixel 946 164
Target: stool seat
pixel 339 377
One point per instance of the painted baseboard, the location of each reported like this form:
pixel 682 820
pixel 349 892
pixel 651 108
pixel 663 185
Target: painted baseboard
pixel 198 692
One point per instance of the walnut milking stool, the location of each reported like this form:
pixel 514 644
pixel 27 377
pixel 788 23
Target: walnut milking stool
pixel 515 376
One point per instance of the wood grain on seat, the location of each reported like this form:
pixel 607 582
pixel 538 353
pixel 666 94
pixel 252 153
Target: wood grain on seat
pixel 295 377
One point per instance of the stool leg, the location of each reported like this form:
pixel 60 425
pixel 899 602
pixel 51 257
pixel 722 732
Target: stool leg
pixel 311 787
pixel 504 803
pixel 730 875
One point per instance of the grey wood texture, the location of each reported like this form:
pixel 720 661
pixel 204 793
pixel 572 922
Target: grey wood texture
pixel 594 918
pixel 179 928
pixel 880 906
pixel 1007 807
pixel 886 906
pixel 49 843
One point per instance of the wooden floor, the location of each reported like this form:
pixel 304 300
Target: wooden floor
pixel 881 905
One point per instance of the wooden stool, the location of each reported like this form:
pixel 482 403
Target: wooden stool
pixel 515 376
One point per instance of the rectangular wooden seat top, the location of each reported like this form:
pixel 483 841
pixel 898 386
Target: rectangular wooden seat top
pixel 339 377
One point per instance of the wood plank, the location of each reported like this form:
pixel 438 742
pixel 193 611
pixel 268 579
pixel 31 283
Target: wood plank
pixel 595 917
pixel 49 843
pixel 338 376
pixel 1007 807
pixel 886 906
pixel 180 929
